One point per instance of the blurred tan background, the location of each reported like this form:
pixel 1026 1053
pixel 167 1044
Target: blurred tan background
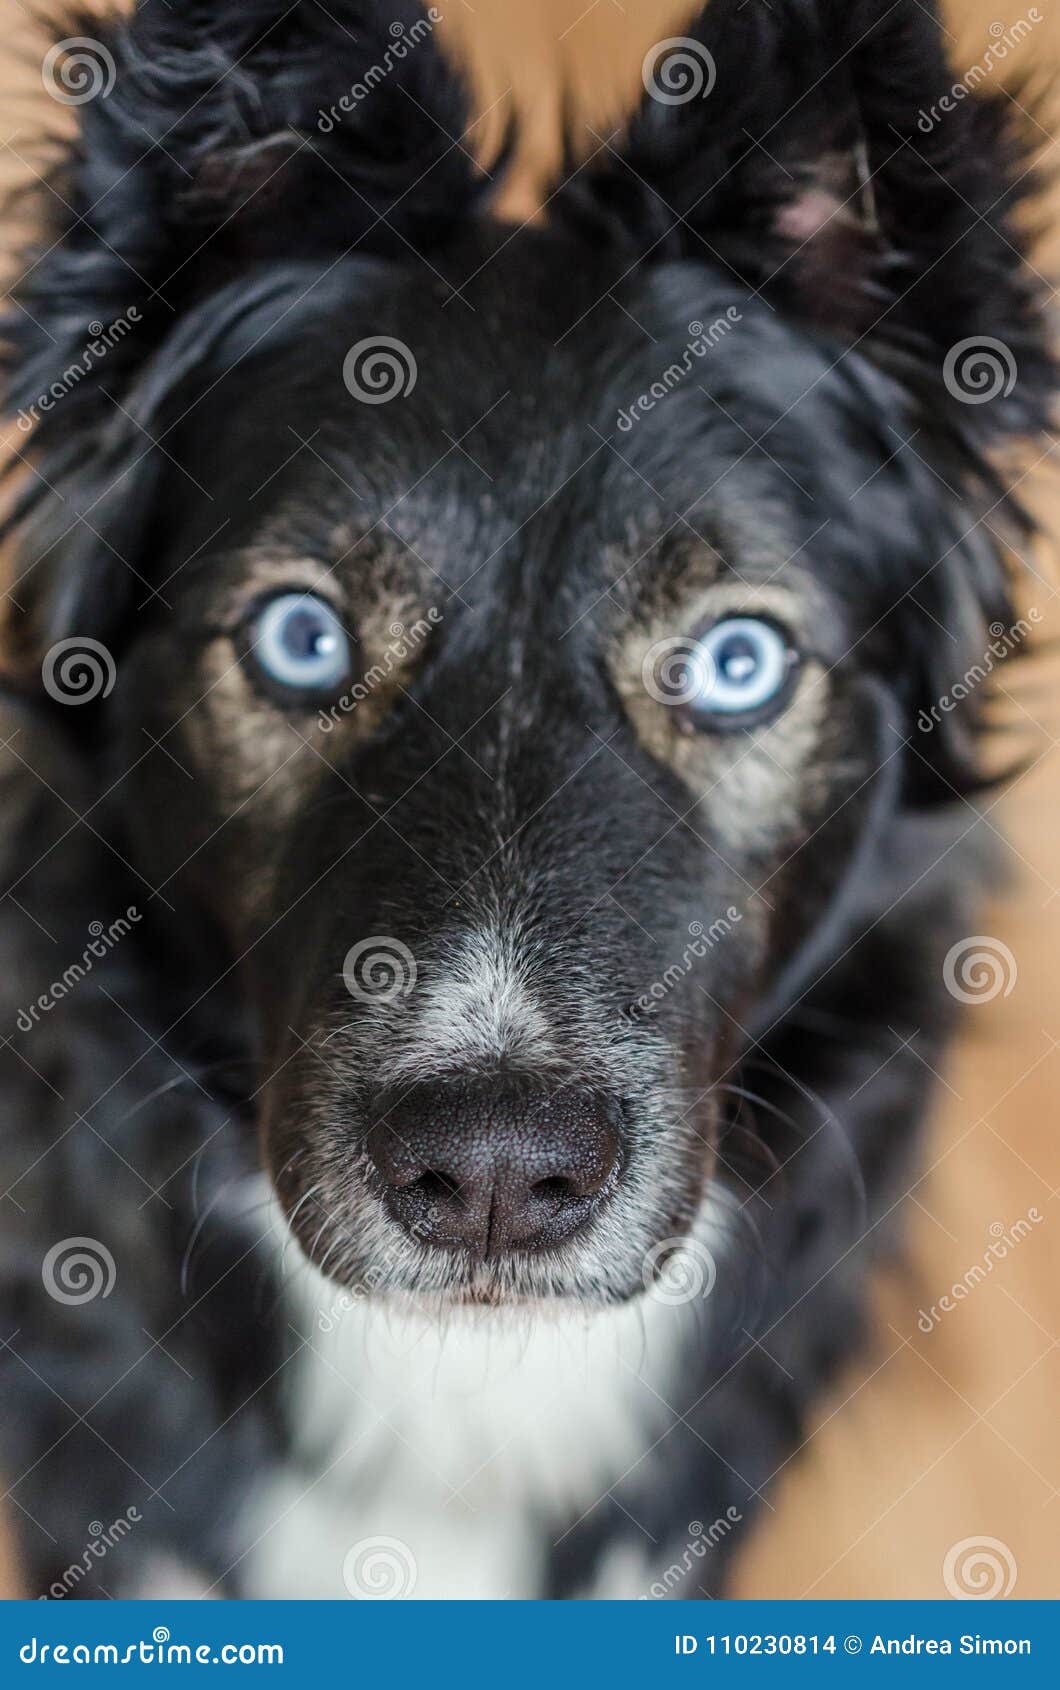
pixel 932 1438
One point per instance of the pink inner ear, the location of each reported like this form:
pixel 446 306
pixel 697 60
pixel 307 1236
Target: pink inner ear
pixel 830 224
pixel 805 216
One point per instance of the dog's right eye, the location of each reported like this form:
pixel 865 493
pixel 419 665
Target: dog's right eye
pixel 298 647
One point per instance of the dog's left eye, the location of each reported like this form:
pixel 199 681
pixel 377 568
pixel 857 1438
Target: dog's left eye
pixel 298 644
pixel 738 671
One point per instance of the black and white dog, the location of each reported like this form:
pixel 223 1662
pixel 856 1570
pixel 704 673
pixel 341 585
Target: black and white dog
pixel 478 748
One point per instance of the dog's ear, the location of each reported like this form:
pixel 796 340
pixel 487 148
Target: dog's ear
pixel 213 137
pixel 825 153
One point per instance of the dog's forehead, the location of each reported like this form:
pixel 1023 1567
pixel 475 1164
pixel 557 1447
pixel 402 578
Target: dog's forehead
pixel 529 435
pixel 605 551
pixel 519 340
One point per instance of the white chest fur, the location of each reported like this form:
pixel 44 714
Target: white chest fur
pixel 439 1461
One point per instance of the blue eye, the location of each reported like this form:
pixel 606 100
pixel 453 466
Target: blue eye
pixel 298 644
pixel 737 670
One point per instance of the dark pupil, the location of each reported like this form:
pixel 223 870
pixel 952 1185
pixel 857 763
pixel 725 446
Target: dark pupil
pixel 302 634
pixel 738 659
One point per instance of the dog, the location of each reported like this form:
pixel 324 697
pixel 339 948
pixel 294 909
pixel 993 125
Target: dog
pixel 481 896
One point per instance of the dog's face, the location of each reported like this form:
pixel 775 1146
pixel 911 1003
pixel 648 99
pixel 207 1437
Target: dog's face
pixel 498 765
pixel 524 669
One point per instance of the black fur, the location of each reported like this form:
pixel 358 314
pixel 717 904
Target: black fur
pixel 506 781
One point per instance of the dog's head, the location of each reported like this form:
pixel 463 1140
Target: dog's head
pixel 516 633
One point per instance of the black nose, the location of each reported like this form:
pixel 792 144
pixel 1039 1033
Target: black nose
pixel 494 1170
